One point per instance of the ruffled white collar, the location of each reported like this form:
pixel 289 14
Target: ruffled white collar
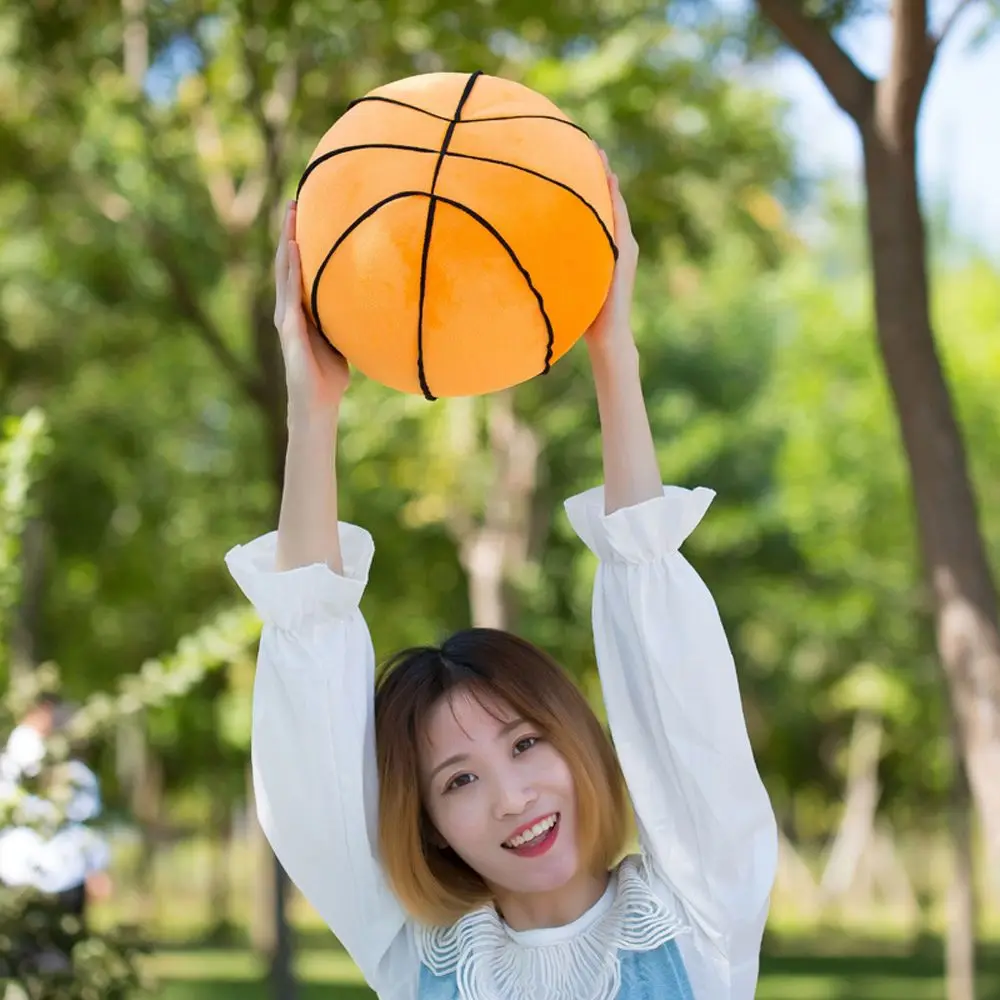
pixel 578 961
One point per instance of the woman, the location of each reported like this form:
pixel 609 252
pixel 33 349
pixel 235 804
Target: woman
pixel 459 823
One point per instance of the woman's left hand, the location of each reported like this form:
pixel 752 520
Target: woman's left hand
pixel 611 332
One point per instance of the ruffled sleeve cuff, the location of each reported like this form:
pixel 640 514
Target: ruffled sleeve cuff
pixel 642 533
pixel 291 598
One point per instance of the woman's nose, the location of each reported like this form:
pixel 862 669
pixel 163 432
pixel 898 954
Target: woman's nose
pixel 512 798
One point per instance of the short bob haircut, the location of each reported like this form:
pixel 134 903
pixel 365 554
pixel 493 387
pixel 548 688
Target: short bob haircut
pixel 432 883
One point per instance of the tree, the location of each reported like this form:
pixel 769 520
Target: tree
pixel 961 589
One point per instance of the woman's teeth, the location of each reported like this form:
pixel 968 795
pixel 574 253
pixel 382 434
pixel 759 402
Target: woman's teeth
pixel 536 831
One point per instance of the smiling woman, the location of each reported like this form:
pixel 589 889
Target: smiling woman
pixel 478 742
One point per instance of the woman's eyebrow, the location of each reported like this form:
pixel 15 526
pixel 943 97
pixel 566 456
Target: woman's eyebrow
pixel 504 730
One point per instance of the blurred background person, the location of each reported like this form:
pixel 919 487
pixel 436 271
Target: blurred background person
pixel 45 842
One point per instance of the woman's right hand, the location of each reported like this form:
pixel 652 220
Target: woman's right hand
pixel 316 374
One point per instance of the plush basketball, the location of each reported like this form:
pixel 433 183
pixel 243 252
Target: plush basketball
pixel 456 234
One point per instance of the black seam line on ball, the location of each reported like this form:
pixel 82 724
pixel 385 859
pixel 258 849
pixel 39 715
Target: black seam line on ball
pixel 473 215
pixel 514 118
pixel 429 228
pixel 549 333
pixel 367 213
pixel 398 104
pixel 442 118
pixel 465 156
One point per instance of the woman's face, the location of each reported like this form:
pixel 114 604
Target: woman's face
pixel 500 795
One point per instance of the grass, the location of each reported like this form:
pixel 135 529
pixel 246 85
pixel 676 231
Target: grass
pixel 329 974
pixel 225 974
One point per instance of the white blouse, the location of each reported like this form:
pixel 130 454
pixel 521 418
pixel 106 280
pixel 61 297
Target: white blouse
pixel 706 825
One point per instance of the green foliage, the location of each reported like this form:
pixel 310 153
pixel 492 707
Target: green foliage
pixel 104 965
pixel 23 445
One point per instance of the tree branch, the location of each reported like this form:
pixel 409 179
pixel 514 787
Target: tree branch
pixel 910 39
pixel 235 207
pixel 902 90
pixel 211 152
pixel 950 21
pixel 272 111
pixel 852 89
pixel 190 308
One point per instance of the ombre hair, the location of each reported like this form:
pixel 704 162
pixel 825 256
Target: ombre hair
pixel 433 884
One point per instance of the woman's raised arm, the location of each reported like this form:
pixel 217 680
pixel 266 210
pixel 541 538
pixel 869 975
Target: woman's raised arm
pixel 313 742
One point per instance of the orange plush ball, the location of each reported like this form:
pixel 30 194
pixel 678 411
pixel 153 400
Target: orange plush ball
pixel 455 233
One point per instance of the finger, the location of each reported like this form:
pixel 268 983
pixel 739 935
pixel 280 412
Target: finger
pixel 293 284
pixel 622 223
pixel 617 204
pixel 606 163
pixel 281 265
pixel 281 257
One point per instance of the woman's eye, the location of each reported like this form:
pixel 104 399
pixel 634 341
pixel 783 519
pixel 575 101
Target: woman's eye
pixel 525 743
pixel 459 781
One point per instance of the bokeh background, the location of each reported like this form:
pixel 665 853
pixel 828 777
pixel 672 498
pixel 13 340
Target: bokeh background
pixel 147 148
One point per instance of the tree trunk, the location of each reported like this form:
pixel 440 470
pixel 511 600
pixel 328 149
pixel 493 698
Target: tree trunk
pixel 219 880
pixel 960 949
pixel 141 773
pixel 857 825
pixel 483 561
pixel 281 973
pixel 497 547
pixel 24 630
pixel 270 932
pixel 958 573
pixel 795 880
pixel 888 874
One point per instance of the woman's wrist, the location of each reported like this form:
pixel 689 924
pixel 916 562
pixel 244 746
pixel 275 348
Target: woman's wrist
pixel 614 356
pixel 310 420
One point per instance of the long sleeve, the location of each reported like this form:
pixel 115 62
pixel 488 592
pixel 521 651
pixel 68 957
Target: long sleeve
pixel 674 709
pixel 313 749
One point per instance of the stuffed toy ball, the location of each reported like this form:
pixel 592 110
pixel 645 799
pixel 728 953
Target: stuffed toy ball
pixel 456 234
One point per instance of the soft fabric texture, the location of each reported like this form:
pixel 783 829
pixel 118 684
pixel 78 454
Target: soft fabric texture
pixel 455 232
pixel 707 831
pixel 622 947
